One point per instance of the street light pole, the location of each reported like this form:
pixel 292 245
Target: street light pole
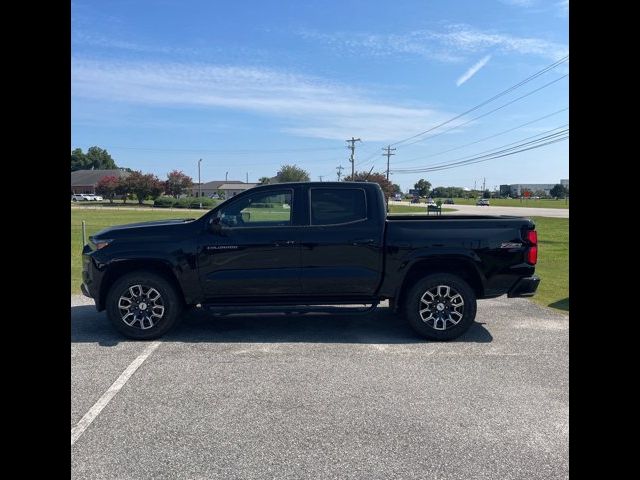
pixel 199 184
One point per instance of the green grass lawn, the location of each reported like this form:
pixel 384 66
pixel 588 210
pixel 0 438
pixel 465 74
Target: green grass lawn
pixel 414 209
pixel 553 253
pixel 513 202
pixel 553 262
pixel 98 219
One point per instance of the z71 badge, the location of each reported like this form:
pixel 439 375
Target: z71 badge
pixel 510 245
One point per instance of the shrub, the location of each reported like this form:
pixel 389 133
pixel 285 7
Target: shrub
pixel 266 205
pixel 164 202
pixel 194 202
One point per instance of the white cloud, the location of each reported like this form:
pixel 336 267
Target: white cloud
pixel 303 105
pixel 475 68
pixel 454 43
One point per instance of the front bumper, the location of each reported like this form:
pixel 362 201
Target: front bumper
pixel 525 287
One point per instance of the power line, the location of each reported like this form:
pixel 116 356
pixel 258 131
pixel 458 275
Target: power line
pixel 484 138
pixel 490 111
pixel 490 151
pixel 552 138
pixel 472 119
pixel 504 92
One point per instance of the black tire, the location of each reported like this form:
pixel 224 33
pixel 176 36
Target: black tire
pixel 413 303
pixel 169 300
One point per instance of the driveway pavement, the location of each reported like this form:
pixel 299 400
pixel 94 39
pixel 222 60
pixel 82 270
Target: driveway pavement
pixel 315 397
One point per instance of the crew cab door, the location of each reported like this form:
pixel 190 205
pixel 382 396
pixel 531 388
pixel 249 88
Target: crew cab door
pixel 342 245
pixel 252 248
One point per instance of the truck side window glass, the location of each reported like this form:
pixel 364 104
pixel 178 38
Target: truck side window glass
pixel 331 206
pixel 267 209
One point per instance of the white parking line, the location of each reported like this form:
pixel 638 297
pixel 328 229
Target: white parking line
pixel 104 400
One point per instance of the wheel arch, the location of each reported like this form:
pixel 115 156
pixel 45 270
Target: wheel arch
pixel 118 269
pixel 461 267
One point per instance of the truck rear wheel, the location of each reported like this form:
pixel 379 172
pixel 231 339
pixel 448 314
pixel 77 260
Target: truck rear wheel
pixel 143 305
pixel 440 306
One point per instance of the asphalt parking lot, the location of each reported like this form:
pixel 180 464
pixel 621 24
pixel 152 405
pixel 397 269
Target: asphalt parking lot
pixel 317 397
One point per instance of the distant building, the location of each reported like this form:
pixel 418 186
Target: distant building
pixel 517 189
pixel 229 188
pixel 85 181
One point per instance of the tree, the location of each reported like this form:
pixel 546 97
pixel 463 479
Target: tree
pixel 396 189
pixel 96 158
pixel 379 178
pixel 486 194
pixel 177 183
pixel 559 191
pixel 143 186
pixel 264 180
pixel 423 186
pixel 78 160
pixel 124 188
pixel 107 187
pixel 291 173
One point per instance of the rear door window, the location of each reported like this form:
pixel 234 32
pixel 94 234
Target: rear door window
pixel 332 206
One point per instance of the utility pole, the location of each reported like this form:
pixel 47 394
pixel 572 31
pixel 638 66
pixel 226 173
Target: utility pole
pixel 247 177
pixel 474 185
pixel 339 169
pixel 483 182
pixel 226 175
pixel 320 176
pixel 353 151
pixel 199 184
pixel 388 154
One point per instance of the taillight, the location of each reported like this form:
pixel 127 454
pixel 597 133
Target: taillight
pixel 532 237
pixel 532 251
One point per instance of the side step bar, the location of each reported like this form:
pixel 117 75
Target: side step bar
pixel 288 309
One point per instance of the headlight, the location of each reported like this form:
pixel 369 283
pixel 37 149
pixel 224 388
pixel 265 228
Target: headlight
pixel 101 243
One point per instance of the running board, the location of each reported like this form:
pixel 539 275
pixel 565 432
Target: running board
pixel 288 309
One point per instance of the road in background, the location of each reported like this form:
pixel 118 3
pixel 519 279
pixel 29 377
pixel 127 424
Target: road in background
pixel 493 210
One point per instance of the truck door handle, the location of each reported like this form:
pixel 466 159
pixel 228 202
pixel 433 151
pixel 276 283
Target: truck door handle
pixel 362 241
pixel 284 243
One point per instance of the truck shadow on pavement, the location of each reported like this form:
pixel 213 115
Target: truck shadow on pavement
pixel 382 326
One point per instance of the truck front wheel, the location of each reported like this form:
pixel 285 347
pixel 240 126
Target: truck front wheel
pixel 143 305
pixel 440 306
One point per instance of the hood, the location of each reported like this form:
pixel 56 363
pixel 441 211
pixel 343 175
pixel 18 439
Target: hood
pixel 141 227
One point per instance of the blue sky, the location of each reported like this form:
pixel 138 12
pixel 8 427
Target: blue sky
pixel 250 85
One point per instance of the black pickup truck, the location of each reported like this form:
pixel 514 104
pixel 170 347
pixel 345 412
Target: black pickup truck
pixel 313 246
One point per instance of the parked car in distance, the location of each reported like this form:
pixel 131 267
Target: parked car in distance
pixel 449 201
pixel 482 202
pixel 85 197
pixel 335 245
pixel 430 201
pixel 415 200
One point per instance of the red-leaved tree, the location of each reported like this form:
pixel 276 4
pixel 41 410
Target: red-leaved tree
pixel 379 178
pixel 177 183
pixel 145 185
pixel 107 187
